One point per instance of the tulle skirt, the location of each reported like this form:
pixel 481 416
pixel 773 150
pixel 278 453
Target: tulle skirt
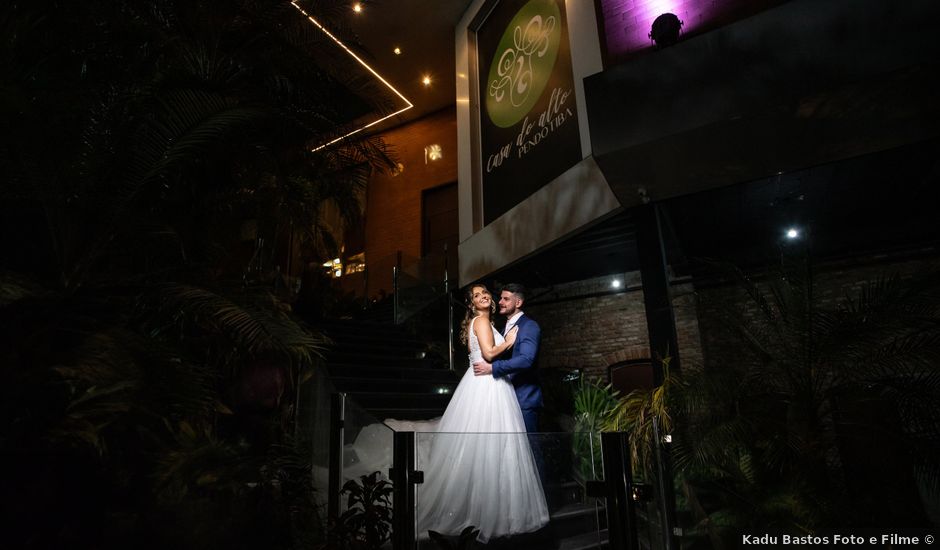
pixel 479 468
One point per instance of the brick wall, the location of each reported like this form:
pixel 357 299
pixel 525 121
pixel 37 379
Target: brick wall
pixel 587 325
pixel 626 23
pixel 393 203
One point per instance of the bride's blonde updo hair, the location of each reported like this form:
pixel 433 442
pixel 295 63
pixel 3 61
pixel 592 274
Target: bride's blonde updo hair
pixel 471 313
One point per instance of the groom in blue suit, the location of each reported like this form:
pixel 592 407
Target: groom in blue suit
pixel 522 366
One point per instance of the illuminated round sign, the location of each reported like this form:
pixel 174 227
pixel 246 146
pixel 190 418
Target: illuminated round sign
pixel 523 62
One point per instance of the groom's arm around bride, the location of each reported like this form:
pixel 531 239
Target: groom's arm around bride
pixel 521 367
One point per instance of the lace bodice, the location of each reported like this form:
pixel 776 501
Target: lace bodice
pixel 474 343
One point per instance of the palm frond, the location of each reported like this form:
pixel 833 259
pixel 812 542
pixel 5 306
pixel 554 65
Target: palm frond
pixel 254 323
pixel 118 377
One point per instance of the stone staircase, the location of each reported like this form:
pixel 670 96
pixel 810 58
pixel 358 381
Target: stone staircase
pixel 386 370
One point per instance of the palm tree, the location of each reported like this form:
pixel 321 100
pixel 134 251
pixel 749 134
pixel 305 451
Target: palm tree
pixel 147 369
pixel 819 405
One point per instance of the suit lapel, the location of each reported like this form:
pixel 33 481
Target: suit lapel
pixel 519 323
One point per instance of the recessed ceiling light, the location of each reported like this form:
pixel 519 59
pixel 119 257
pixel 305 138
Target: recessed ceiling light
pixel 357 7
pixel 426 80
pixel 397 51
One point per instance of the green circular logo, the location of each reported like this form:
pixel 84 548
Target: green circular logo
pixel 523 62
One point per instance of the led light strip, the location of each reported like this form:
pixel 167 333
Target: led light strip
pixel 408 104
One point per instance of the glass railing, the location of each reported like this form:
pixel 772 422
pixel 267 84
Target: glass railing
pixel 543 490
pixel 351 454
pixel 367 448
pixel 313 425
pixel 530 488
pixel 654 500
pixel 649 520
pixel 419 283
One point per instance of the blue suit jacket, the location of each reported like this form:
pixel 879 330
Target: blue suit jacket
pixel 522 366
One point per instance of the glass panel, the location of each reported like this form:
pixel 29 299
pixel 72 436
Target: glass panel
pixel 420 284
pixel 530 487
pixel 367 444
pixel 798 261
pixel 313 423
pixel 650 533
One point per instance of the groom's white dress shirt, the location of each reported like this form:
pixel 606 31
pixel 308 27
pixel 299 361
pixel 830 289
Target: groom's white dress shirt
pixel 511 322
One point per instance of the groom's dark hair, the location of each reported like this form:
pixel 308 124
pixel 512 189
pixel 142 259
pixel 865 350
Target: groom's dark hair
pixel 516 289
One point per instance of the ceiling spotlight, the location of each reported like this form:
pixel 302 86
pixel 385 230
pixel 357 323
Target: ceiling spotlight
pixel 615 283
pixel 793 233
pixel 357 7
pixel 397 51
pixel 426 80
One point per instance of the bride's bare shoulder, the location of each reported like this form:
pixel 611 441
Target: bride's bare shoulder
pixel 480 329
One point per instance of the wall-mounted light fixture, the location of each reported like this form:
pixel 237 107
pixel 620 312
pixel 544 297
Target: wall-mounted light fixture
pixel 665 30
pixel 433 152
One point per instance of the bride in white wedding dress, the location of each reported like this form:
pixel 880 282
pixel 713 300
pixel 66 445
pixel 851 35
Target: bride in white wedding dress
pixel 480 470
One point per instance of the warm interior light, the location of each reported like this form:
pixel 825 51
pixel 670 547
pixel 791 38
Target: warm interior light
pixel 355 263
pixel 357 7
pixel 433 152
pixel 408 104
pixel 426 80
pixel 397 51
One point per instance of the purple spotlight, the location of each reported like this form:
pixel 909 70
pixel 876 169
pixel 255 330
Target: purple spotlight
pixel 665 30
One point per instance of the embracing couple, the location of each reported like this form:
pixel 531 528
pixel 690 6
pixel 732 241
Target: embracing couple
pixel 481 469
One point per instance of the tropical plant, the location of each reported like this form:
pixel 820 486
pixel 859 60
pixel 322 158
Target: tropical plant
pixel 779 434
pixel 157 166
pixel 593 403
pixel 644 414
pixel 366 524
pixel 806 382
